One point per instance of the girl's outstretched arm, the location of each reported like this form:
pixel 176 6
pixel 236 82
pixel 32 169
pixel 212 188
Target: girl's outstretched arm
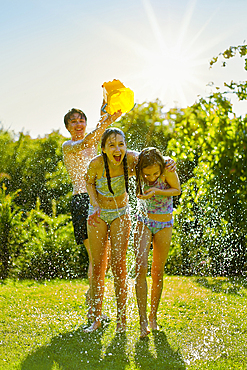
pixel 175 189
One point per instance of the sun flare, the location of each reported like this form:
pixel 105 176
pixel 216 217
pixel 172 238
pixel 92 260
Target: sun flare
pixel 170 72
pixel 169 63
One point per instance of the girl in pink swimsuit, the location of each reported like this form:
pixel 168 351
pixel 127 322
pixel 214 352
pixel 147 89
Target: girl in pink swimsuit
pixel 155 189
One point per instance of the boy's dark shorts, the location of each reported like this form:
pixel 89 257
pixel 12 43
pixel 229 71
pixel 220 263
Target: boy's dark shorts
pixel 79 212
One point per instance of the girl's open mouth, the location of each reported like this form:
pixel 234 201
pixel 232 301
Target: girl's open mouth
pixel 117 158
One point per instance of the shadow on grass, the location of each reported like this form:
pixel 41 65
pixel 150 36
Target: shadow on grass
pixel 115 355
pixel 166 357
pixel 222 285
pixel 78 350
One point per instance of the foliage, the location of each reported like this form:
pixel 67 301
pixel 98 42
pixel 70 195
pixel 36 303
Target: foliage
pixel 36 167
pixel 50 250
pixel 239 88
pixel 146 125
pixel 10 234
pixel 211 217
pixel 36 245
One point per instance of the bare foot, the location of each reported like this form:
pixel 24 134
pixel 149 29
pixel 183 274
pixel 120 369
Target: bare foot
pixel 144 329
pixel 103 319
pixel 95 325
pixel 153 324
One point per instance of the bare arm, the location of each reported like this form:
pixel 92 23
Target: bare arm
pixel 170 164
pixel 175 189
pixel 132 157
pixel 90 178
pixel 93 137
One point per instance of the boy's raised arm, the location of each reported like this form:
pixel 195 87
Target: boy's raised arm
pixel 93 137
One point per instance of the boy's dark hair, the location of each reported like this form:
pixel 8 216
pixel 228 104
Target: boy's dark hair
pixel 72 111
pixel 106 134
pixel 148 157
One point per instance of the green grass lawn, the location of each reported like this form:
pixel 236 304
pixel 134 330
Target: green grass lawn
pixel 203 326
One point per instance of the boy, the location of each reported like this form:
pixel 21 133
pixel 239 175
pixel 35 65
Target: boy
pixel 77 153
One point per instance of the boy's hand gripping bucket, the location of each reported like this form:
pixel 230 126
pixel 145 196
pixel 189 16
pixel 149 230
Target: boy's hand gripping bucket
pixel 117 97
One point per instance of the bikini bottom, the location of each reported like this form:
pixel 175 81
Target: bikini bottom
pixel 109 215
pixel 153 225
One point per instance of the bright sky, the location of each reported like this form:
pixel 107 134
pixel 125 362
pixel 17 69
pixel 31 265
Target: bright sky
pixel 56 54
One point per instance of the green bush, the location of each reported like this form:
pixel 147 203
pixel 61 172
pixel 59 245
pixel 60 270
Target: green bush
pixel 211 224
pixel 50 250
pixel 11 233
pixel 36 167
pixel 35 245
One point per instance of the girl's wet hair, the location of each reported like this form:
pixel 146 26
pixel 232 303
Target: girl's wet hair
pixel 108 132
pixel 148 157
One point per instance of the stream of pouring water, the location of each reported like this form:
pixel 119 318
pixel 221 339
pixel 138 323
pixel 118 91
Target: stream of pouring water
pixel 140 207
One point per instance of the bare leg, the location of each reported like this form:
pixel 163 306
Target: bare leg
pixel 161 245
pixel 108 243
pixel 88 293
pixel 142 241
pixel 97 240
pixel 119 231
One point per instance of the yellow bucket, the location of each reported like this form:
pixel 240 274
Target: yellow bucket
pixel 117 96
